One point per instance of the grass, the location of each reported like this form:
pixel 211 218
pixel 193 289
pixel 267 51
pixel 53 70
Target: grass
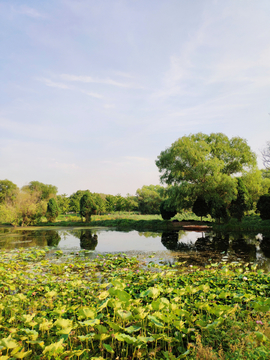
pixel 124 221
pixel 56 306
pixel 252 223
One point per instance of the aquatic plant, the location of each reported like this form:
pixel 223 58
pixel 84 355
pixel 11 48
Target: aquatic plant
pixel 69 306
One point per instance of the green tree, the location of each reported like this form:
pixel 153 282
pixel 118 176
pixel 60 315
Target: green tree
pixel 256 184
pixel 45 191
pixel 110 203
pixel 241 203
pixel 263 206
pixel 63 203
pixel 8 191
pixel 204 165
pixel 74 200
pixel 100 203
pixel 52 210
pixel 200 207
pixel 149 198
pixel 166 210
pixel 87 206
pixel 131 203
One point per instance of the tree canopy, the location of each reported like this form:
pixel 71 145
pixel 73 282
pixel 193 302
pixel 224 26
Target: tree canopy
pixel 8 191
pixel 45 191
pixel 203 165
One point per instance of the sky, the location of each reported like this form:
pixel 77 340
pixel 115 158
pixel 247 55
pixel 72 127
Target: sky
pixel 92 91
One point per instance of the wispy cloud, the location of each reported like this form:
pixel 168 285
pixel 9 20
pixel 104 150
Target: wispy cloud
pixel 49 82
pixel 61 85
pixel 31 12
pixel 90 79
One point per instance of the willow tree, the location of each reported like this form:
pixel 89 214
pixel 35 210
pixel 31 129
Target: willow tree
pixel 204 165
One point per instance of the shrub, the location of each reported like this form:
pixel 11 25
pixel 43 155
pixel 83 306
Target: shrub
pixel 166 210
pixel 263 205
pixel 52 210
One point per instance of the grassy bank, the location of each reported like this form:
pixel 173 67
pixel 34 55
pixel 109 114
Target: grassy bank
pixel 252 223
pixel 114 307
pixel 124 221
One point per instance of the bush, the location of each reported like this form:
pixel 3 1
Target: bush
pixel 200 207
pixel 263 205
pixel 52 210
pixel 166 210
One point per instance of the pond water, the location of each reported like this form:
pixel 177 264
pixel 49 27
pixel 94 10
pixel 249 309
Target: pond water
pixel 196 248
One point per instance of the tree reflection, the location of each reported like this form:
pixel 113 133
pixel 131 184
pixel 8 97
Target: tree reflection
pixel 170 240
pixel 87 240
pixel 265 245
pixel 52 237
pixel 242 248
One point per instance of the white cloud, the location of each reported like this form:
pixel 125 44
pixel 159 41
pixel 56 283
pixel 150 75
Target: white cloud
pixel 25 10
pixel 49 82
pixel 89 79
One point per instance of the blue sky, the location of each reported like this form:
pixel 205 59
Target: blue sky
pixel 92 91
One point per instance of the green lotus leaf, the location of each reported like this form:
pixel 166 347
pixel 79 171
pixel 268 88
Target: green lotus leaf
pixel 65 331
pixel 132 329
pixel 155 321
pixel 145 339
pixel 54 347
pixel 87 313
pixel 90 322
pixel 63 323
pixel 8 343
pixel 108 348
pixel 103 295
pixel 124 314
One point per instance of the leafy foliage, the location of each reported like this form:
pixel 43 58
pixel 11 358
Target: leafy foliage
pixel 150 198
pixel 45 191
pixel 52 210
pixel 114 307
pixel 263 206
pixel 200 207
pixel 8 191
pixel 167 211
pixel 203 165
pixel 87 206
pixel 241 203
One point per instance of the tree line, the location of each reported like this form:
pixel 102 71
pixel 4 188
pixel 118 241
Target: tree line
pixel 208 174
pixel 26 206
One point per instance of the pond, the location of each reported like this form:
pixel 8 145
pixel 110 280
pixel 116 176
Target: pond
pixel 196 248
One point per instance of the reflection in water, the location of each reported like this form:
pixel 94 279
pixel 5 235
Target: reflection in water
pixel 170 239
pixel 265 245
pixel 87 240
pixel 53 238
pixel 192 247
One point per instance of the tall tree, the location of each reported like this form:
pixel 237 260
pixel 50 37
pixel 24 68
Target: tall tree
pixel 8 191
pixel 203 165
pixel 45 191
pixel 87 206
pixel 52 210
pixel 241 203
pixel 149 198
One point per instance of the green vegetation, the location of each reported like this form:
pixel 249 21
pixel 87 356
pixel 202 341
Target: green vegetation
pixel 116 307
pixel 263 206
pixel 87 206
pixel 52 210
pixel 166 210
